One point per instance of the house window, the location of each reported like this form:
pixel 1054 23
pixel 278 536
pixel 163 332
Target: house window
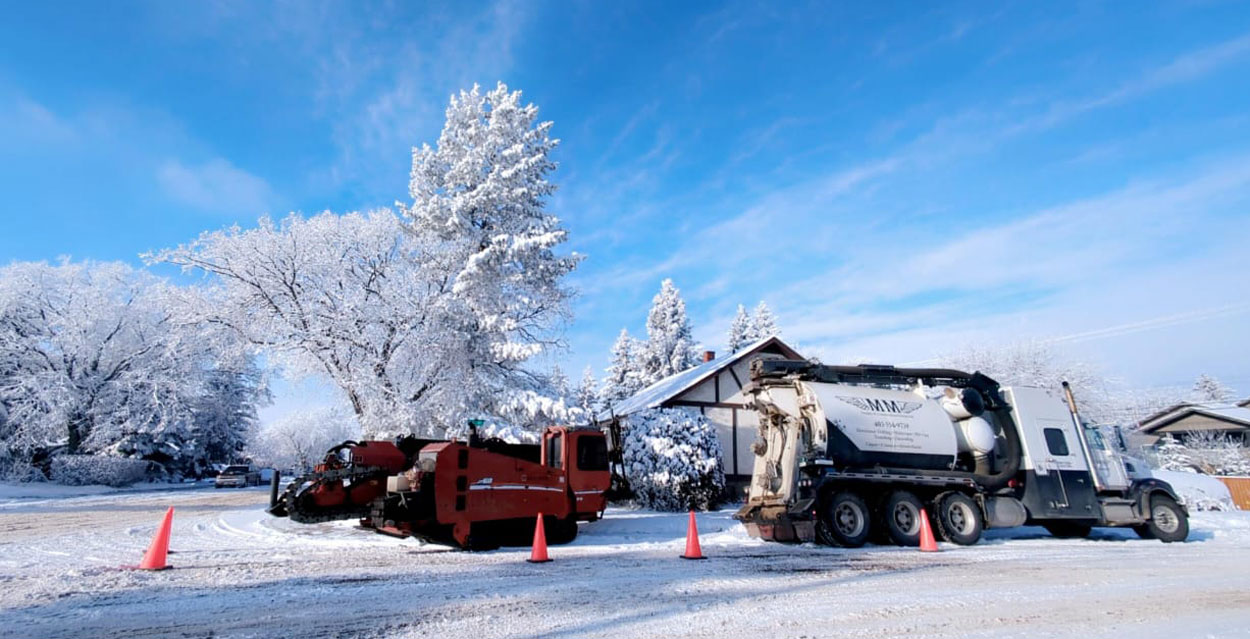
pixel 1056 442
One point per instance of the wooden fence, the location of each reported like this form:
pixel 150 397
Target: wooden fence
pixel 1240 489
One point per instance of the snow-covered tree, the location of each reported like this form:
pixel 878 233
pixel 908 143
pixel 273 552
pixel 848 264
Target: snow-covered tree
pixel 624 375
pixel 740 331
pixel 300 439
pixel 104 359
pixel 1032 363
pixel 671 458
pixel 490 250
pixel 423 321
pixel 670 346
pixel 586 395
pixel 1171 454
pixel 339 296
pixel 1217 453
pixel 1210 389
pixel 763 324
pixel 559 383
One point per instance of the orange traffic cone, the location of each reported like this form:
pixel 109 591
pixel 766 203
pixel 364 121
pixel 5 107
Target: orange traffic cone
pixel 692 541
pixel 538 554
pixel 154 558
pixel 927 542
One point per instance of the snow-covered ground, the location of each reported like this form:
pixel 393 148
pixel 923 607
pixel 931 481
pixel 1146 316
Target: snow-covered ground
pixel 239 573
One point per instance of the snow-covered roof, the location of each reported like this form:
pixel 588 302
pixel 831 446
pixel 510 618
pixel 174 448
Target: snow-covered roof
pixel 1224 411
pixel 658 393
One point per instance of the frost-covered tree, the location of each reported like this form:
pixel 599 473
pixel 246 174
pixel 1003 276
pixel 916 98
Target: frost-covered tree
pixel 624 375
pixel 423 321
pixel 340 296
pixel 1171 454
pixel 586 395
pixel 671 458
pixel 740 331
pixel 763 324
pixel 1210 389
pixel 1032 363
pixel 559 383
pixel 670 346
pixel 300 439
pixel 104 359
pixel 1217 453
pixel 490 249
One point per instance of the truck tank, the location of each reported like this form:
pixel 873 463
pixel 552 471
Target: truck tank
pixel 864 426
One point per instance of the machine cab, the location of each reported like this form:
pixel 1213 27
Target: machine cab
pixel 582 454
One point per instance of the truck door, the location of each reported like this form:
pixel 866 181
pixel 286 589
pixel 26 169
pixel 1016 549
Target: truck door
pixel 589 476
pixel 1058 483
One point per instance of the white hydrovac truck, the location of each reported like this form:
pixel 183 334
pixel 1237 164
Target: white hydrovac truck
pixel 848 454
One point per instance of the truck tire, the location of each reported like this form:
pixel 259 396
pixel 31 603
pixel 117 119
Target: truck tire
pixel 900 518
pixel 561 531
pixel 959 519
pixel 1068 529
pixel 1167 522
pixel 847 519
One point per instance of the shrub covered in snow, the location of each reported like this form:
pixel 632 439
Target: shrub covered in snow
pixel 1198 492
pixel 86 470
pixel 671 458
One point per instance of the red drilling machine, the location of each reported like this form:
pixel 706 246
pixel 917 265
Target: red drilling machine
pixel 476 495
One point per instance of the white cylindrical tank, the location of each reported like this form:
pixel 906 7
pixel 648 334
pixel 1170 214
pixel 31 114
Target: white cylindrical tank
pixel 975 435
pixel 885 427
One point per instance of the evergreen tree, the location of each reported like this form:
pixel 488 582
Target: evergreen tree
pixel 559 383
pixel 623 376
pixel 1210 389
pixel 586 394
pixel 740 331
pixel 763 324
pixel 670 341
pixel 1170 454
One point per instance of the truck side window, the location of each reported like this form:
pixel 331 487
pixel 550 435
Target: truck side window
pixel 592 453
pixel 554 451
pixel 1056 442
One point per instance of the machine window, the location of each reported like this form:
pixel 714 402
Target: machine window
pixel 555 449
pixel 592 453
pixel 1056 442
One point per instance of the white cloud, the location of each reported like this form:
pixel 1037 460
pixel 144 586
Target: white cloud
pixel 216 186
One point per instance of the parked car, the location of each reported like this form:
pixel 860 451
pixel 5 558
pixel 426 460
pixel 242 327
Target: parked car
pixel 237 476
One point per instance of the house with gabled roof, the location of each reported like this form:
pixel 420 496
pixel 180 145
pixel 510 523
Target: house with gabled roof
pixel 714 388
pixel 1181 419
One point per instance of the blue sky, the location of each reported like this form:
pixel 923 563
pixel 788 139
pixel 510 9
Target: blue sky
pixel 893 180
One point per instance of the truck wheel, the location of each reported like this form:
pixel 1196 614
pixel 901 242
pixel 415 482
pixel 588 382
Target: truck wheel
pixel 1068 529
pixel 561 531
pixel 847 520
pixel 901 518
pixel 959 519
pixel 1167 523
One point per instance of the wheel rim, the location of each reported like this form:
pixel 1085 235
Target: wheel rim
pixel 1165 519
pixel 961 518
pixel 907 518
pixel 848 519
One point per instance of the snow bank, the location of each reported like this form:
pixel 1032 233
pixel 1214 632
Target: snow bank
pixel 1197 492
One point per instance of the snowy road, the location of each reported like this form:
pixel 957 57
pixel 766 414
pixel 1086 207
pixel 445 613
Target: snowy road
pixel 240 573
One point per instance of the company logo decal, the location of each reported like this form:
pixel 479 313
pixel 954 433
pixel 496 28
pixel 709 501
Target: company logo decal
pixel 886 406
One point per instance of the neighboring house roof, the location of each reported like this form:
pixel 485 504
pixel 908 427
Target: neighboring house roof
pixel 1232 414
pixel 673 385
